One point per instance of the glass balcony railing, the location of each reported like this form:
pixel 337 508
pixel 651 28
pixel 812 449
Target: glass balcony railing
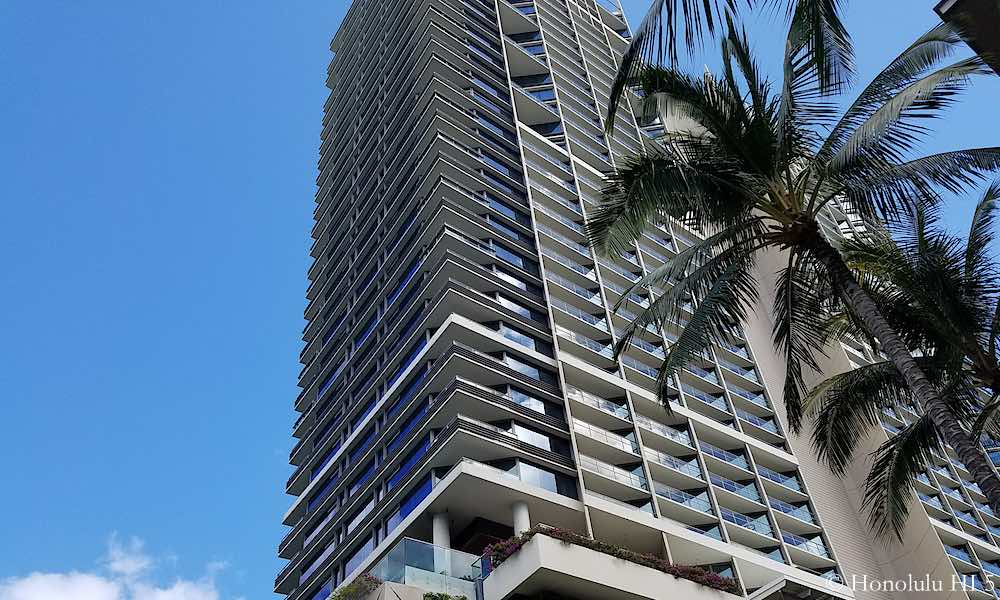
pixel 430 568
pixel 759 524
pixel 958 553
pixel 813 546
pixel 648 347
pixel 681 437
pixel 931 501
pixel 604 350
pixel 755 397
pixel 957 495
pixel 737 350
pixel 748 373
pixel 765 424
pixel 607 437
pixel 689 467
pixel 576 289
pixel 613 472
pixel 789 481
pixel 968 518
pixel 619 270
pixel 709 399
pixel 581 315
pixel 801 513
pixel 569 263
pixel 597 402
pixel 700 502
pixel 990 567
pixel 724 455
pixel 746 490
pixel 943 471
pixel 571 244
pixel 556 197
pixel 640 366
pixel 561 219
pixel 705 374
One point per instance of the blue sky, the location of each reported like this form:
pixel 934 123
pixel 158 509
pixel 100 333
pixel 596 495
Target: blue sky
pixel 158 165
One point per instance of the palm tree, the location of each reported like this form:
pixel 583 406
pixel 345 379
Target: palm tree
pixel 826 42
pixel 755 171
pixel 940 294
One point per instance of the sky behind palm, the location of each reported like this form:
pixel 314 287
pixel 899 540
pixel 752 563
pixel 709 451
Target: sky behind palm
pixel 158 165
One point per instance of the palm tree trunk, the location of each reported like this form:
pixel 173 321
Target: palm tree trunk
pixel 967 447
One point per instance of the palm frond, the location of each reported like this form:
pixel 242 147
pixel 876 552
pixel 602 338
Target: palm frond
pixel 912 64
pixel 848 406
pixel 895 128
pixel 886 185
pixel 685 181
pixel 981 232
pixel 821 37
pixel 896 463
pixel 654 42
pixel 716 274
pixel 801 304
pixel 715 315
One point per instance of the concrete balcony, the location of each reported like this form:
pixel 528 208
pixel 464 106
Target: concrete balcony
pixel 577 572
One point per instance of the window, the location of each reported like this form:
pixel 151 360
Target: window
pixel 322 593
pixel 543 95
pixel 507 231
pixel 516 281
pixel 541 440
pixel 505 209
pixel 527 369
pixel 536 404
pixel 535 49
pixel 529 36
pixel 363 478
pixel 489 87
pixel 323 462
pixel 362 445
pixel 532 80
pixel 369 326
pixel 497 164
pixel 496 129
pixel 409 462
pixel 322 493
pixel 545 479
pixel 359 556
pixel 555 128
pixel 517 336
pixel 364 413
pixel 509 256
pixel 518 308
pixel 406 428
pixel 360 515
pixel 410 502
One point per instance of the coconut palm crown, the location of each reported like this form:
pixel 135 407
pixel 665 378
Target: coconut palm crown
pixel 753 166
pixel 822 38
pixel 940 293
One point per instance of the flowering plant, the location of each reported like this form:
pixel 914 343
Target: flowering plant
pixel 357 589
pixel 501 551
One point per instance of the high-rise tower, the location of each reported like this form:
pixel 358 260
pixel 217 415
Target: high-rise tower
pixel 459 384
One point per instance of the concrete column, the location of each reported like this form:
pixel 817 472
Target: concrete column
pixel 441 530
pixel 522 520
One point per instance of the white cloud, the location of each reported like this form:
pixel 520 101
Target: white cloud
pixel 57 586
pixel 128 561
pixel 128 577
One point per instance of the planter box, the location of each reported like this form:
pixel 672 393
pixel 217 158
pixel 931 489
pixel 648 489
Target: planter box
pixel 573 571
